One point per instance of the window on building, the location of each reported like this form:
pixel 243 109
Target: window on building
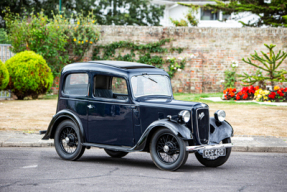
pixel 208 14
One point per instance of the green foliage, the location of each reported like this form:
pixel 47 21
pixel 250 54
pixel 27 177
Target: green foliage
pixel 272 14
pixel 175 65
pixel 106 12
pixel 140 53
pixel 180 23
pixel 29 74
pixel 4 76
pixel 191 18
pixel 3 37
pixel 267 63
pixel 54 38
pixel 230 76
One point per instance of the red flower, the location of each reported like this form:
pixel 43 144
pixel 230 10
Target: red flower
pixel 256 88
pixel 240 93
pixel 272 95
pixel 285 90
pixel 231 94
pixel 280 93
pixel 245 96
pixel 230 90
pixel 237 97
pixel 234 90
pixel 224 92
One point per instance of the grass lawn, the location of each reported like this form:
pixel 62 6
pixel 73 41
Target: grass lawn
pixel 246 118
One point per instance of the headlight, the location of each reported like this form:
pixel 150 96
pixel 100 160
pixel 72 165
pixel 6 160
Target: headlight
pixel 184 116
pixel 219 115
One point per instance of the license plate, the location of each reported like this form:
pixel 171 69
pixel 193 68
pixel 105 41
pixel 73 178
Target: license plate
pixel 213 153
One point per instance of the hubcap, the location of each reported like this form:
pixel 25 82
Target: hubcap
pixel 166 148
pixel 67 139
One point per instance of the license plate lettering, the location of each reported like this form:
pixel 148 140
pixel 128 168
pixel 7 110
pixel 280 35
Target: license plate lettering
pixel 214 153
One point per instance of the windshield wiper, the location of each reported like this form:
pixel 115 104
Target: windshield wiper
pixel 150 79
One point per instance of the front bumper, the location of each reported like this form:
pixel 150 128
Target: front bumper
pixel 208 147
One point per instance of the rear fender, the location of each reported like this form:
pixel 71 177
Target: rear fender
pixel 178 129
pixel 58 118
pixel 221 131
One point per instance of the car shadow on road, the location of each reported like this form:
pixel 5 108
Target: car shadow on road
pixel 144 163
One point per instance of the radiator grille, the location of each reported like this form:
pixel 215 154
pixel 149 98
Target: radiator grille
pixel 203 126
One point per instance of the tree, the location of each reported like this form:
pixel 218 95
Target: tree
pixel 107 12
pixel 25 7
pixel 268 64
pixel 271 13
pixel 128 12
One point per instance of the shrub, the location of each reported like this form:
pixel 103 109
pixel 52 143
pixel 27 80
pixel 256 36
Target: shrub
pixel 29 75
pixel 55 39
pixel 4 76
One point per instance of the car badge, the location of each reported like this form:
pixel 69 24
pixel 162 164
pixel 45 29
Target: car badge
pixel 201 115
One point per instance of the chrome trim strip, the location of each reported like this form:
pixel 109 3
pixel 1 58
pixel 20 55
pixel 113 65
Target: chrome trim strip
pixel 197 124
pixel 208 147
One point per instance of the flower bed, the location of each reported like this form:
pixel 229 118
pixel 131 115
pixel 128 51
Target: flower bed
pixel 257 94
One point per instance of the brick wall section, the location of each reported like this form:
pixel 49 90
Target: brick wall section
pixel 214 49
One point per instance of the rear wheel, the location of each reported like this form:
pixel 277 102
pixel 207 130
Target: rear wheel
pixel 168 151
pixel 215 161
pixel 115 154
pixel 68 142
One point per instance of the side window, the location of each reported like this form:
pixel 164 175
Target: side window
pixel 76 84
pixel 119 85
pixel 110 87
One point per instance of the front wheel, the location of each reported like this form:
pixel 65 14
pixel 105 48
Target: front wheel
pixel 168 151
pixel 68 142
pixel 215 161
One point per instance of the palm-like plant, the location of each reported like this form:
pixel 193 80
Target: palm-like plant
pixel 268 64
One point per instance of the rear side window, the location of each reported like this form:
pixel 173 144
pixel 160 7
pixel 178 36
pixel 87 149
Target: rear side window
pixel 76 84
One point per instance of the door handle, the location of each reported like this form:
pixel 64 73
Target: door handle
pixel 90 106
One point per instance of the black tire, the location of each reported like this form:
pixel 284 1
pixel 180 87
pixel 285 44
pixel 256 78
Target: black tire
pixel 176 150
pixel 115 154
pixel 73 149
pixel 218 161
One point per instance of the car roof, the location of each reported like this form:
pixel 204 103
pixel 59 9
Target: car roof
pixel 115 67
pixel 123 64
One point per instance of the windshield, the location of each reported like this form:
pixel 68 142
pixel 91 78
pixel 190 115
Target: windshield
pixel 151 85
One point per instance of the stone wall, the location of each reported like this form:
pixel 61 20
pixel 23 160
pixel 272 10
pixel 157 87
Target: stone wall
pixel 213 50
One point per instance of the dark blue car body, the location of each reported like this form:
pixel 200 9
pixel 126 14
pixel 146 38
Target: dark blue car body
pixel 128 125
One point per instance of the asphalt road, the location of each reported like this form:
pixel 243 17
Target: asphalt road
pixel 40 169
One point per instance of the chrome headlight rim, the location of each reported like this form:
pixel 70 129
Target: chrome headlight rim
pixel 220 115
pixel 184 116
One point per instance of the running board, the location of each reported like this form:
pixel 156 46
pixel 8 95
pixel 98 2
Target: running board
pixel 110 147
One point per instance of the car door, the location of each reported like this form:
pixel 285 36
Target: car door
pixel 110 113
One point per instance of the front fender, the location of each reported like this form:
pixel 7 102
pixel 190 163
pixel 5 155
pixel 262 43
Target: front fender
pixel 60 116
pixel 177 128
pixel 222 131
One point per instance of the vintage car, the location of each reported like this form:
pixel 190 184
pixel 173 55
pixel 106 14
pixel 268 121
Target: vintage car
pixel 126 107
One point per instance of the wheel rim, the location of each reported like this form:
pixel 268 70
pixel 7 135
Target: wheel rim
pixel 167 148
pixel 68 140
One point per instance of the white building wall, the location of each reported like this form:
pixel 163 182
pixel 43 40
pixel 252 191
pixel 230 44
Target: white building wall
pixel 177 12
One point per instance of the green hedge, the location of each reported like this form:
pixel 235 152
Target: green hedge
pixel 4 76
pixel 29 75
